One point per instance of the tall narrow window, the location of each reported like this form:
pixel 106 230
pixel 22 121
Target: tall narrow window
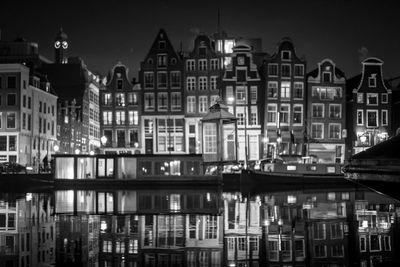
pixel 285 90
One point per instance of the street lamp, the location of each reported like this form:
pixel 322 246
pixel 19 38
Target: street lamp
pixel 104 140
pixel 56 148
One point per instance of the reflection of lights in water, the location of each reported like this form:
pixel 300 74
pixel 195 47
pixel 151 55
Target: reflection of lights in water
pixel 28 196
pixel 81 161
pixel 166 164
pixel 103 226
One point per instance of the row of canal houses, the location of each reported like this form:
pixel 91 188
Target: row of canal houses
pixel 281 109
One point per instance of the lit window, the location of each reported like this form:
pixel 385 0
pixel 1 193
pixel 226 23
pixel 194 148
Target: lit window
pixel 191 104
pixel 335 111
pixel 372 99
pixel 203 104
pixel 297 114
pixel 285 90
pixel 360 98
pixel 284 114
pixel 360 117
pixel 272 90
pixel 213 82
pixel 271 113
pixel 190 66
pixel 202 64
pixel 161 60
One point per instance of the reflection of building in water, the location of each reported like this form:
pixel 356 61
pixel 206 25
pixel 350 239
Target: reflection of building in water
pixel 77 240
pixel 142 228
pixel 27 236
pixel 375 224
pixel 322 228
pixel 242 230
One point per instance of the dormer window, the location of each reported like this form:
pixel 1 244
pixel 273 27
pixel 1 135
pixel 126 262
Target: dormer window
pixel 202 51
pixel 326 77
pixel 286 55
pixel 372 80
pixel 161 45
pixel 119 84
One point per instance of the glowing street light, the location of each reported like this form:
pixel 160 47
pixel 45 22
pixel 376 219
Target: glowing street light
pixel 56 148
pixel 103 140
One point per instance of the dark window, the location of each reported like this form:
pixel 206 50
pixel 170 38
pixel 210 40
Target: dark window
pixel 24 101
pixel 192 129
pixel 119 84
pixel 11 99
pixel 326 77
pixel 29 102
pixel 12 82
pixel 12 140
pixel 202 51
pixel 3 143
pixel 161 45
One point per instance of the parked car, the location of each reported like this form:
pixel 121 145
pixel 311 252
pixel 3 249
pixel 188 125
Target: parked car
pixel 13 167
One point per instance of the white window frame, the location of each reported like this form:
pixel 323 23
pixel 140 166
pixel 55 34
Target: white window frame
pixel 275 86
pixel 302 114
pixel 202 83
pixel 373 95
pixel 253 95
pixel 165 106
pixel 340 111
pixel 241 96
pixel 180 79
pixel 297 66
pixel 290 55
pixel 384 114
pixel 213 82
pixel 377 117
pixel 16 120
pixel 329 130
pixel 288 114
pixel 285 94
pixel 277 70
pixel 150 73
pixel 146 107
pixel 214 64
pixel 158 79
pixel 190 83
pixel 372 80
pixel 386 97
pixel 190 65
pixel 176 106
pixel 302 90
pixel 322 132
pixel 275 109
pixel 290 71
pixel 203 104
pixel 312 110
pixel 191 104
pixel 362 116
pixel 202 64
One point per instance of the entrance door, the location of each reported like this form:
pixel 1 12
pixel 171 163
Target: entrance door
pixel 192 145
pixel 149 146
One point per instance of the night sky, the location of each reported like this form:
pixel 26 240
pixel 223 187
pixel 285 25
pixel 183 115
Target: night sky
pixel 103 34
